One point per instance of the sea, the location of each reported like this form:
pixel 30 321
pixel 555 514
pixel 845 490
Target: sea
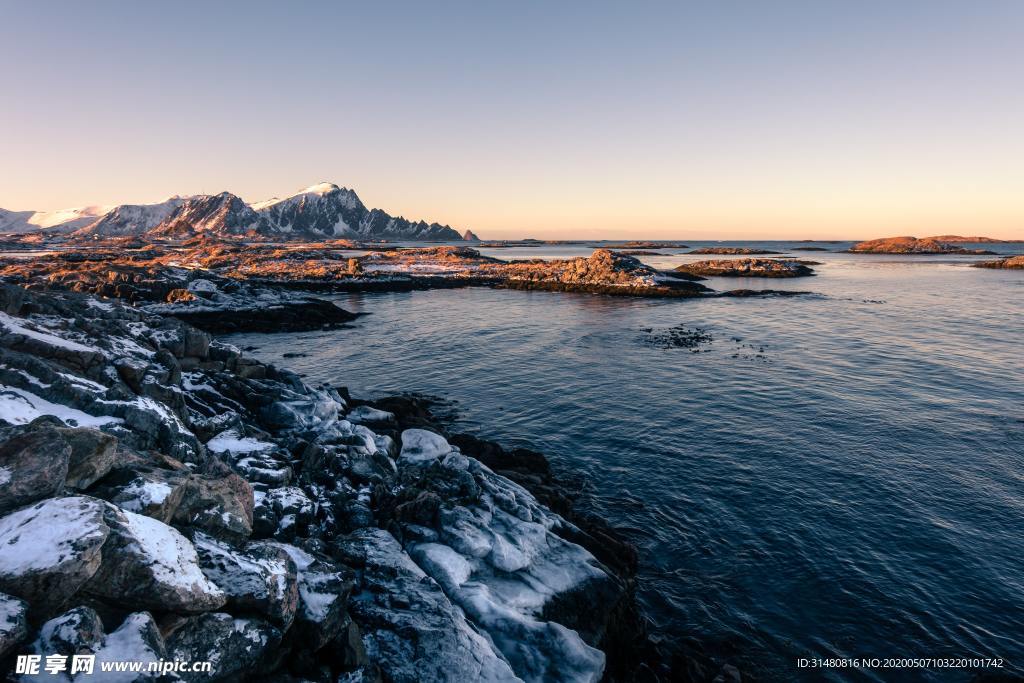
pixel 838 475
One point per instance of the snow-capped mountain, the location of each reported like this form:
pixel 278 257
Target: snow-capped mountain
pixel 326 210
pixel 131 219
pixel 64 220
pixel 221 214
pixel 318 212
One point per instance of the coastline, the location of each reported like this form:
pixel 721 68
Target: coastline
pixel 298 514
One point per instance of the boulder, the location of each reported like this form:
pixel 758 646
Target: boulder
pixel 151 491
pixel 13 623
pixel 33 465
pixel 51 550
pixel 92 455
pixel 137 639
pixel 151 565
pixel 238 648
pixel 260 578
pixel 219 503
pixel 76 632
pixel 421 446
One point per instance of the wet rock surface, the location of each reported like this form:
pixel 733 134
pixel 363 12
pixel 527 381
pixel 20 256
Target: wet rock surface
pixel 197 504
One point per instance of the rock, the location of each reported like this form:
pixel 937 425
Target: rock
pixel 911 245
pixel 410 628
pixel 745 267
pixel 420 446
pixel 220 504
pixel 323 591
pixel 238 648
pixel 1009 263
pixel 92 455
pixel 150 565
pixel 261 578
pixel 51 550
pixel 733 251
pixel 13 623
pixel 367 415
pixel 33 465
pixel 137 639
pixel 146 490
pixel 76 632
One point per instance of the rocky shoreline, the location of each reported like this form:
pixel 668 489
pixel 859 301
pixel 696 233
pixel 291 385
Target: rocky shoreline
pixel 162 496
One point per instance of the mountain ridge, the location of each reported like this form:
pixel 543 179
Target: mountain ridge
pixel 320 211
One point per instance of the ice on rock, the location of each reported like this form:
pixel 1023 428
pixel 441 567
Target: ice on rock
pixel 499 561
pixel 446 566
pixel 230 441
pixel 370 416
pixel 420 445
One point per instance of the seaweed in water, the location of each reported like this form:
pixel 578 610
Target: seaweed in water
pixel 678 337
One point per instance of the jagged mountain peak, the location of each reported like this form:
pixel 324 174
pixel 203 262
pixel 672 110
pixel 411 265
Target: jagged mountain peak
pixel 319 211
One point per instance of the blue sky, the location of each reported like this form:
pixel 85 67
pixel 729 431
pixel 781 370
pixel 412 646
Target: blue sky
pixel 730 119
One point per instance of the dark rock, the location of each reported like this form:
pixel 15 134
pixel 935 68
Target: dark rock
pixel 33 465
pixel 92 455
pixel 239 648
pixel 259 578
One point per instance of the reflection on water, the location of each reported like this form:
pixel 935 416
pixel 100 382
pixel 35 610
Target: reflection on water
pixel 859 494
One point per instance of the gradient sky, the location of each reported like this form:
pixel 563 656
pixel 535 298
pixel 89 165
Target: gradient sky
pixel 550 119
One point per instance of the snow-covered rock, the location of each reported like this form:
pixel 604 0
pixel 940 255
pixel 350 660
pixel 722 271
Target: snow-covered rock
pixel 13 623
pixel 259 578
pixel 147 564
pixel 323 592
pixel 51 550
pixel 236 647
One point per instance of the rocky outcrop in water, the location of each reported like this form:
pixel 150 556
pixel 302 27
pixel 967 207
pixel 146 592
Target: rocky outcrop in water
pixel 911 245
pixel 746 267
pixel 166 497
pixel 733 251
pixel 1010 262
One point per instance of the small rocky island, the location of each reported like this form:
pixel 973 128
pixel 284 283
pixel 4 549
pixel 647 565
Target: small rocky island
pixel 733 251
pixel 163 496
pixel 746 267
pixel 1009 263
pixel 912 245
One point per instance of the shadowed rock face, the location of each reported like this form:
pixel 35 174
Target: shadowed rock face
pixel 1011 263
pixel 911 245
pixel 746 267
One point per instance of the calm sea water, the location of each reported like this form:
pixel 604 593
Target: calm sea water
pixel 838 475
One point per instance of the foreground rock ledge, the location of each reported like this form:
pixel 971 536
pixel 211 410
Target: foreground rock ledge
pixel 196 504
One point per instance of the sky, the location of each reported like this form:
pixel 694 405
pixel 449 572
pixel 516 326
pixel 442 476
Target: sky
pixel 726 119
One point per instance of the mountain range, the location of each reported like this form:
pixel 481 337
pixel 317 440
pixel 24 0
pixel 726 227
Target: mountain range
pixel 322 211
